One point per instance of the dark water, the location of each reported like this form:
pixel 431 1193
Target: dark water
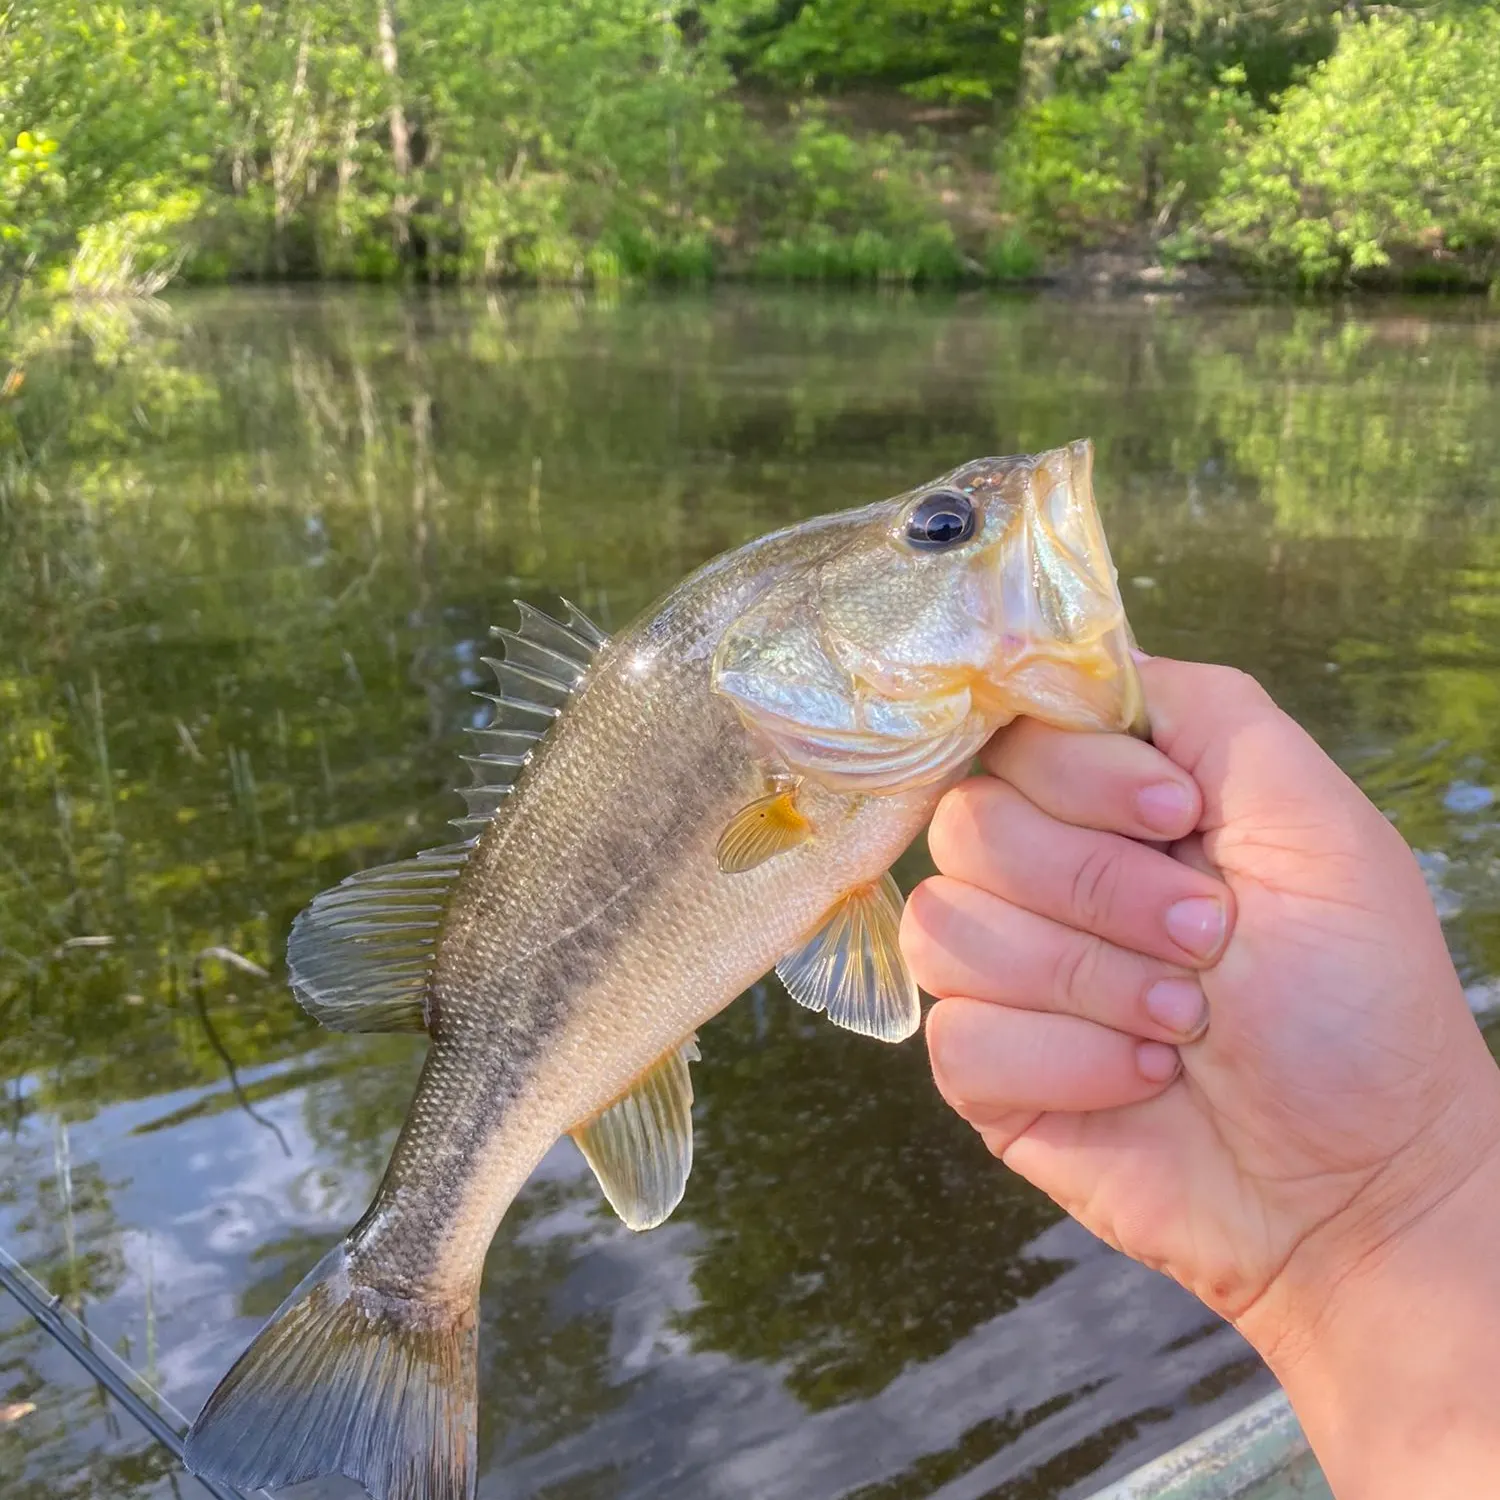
pixel 248 552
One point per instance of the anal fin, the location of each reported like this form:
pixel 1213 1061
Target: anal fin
pixel 852 966
pixel 641 1147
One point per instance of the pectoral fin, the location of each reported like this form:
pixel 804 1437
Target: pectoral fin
pixel 852 966
pixel 768 826
pixel 641 1147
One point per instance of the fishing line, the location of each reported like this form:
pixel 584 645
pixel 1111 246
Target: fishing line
pixel 101 1362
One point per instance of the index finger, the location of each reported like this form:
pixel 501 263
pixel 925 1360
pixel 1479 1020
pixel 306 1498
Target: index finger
pixel 1111 782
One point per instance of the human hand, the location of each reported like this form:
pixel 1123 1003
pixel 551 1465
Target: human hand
pixel 1341 1089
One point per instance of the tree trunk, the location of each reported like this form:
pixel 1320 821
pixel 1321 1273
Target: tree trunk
pixel 1151 124
pixel 390 60
pixel 291 145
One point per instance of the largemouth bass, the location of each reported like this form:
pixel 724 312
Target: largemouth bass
pixel 657 821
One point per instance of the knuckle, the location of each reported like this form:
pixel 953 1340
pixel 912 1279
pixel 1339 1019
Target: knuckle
pixel 1240 687
pixel 1076 970
pixel 1095 882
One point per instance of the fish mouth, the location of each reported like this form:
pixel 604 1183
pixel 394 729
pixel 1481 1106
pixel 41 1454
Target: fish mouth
pixel 1064 650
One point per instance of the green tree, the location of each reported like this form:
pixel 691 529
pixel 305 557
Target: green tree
pixel 1386 160
pixel 959 50
pixel 106 116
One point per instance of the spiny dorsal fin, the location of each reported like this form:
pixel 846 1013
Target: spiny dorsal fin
pixel 360 954
pixel 545 660
pixel 641 1147
pixel 852 966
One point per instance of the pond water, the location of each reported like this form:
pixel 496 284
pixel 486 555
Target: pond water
pixel 249 548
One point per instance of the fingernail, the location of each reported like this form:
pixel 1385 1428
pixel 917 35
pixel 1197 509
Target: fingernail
pixel 1166 807
pixel 1178 1004
pixel 1156 1061
pixel 1138 654
pixel 1196 925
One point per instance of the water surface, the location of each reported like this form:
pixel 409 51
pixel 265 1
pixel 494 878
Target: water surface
pixel 249 549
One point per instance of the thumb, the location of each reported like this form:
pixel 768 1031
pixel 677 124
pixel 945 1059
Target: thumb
pixel 1258 770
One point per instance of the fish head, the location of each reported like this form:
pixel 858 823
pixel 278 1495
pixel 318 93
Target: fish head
pixel 942 614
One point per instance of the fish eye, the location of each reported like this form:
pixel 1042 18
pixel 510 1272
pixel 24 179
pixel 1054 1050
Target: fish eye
pixel 941 519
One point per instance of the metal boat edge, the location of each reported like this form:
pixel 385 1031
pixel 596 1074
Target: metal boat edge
pixel 1260 1453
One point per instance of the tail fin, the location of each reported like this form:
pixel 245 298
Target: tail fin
pixel 347 1380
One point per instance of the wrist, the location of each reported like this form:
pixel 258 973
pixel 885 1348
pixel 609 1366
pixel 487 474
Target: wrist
pixel 1442 1189
pixel 1384 1327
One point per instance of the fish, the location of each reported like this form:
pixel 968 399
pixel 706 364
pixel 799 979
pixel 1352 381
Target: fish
pixel 656 821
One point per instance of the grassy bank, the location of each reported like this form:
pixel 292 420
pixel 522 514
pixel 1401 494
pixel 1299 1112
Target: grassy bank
pixel 878 141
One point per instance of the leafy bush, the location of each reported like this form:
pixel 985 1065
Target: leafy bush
pixel 1387 159
pixel 1012 257
pixel 933 49
pixel 928 257
pixel 872 203
pixel 1146 145
pixel 821 204
pixel 137 252
pixel 32 193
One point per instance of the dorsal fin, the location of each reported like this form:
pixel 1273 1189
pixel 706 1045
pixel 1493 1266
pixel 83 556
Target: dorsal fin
pixel 360 954
pixel 545 660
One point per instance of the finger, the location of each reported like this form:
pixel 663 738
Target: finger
pixel 1107 781
pixel 992 1063
pixel 986 833
pixel 1221 727
pixel 1275 806
pixel 1001 1134
pixel 1190 851
pixel 1069 1155
pixel 960 940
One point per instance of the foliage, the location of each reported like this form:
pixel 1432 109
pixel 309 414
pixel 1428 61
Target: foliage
pixel 1012 257
pixel 889 141
pixel 32 187
pixel 1146 146
pixel 442 141
pixel 932 49
pixel 833 207
pixel 111 95
pixel 1388 157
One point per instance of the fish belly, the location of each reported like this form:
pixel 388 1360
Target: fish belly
pixel 490 1105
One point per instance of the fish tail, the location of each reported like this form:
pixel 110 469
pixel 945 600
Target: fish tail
pixel 347 1379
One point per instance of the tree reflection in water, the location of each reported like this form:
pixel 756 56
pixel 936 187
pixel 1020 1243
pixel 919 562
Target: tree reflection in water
pixel 249 548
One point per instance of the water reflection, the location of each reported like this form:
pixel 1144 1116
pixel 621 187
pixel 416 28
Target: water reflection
pixel 248 547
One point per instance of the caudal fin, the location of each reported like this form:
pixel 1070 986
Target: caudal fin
pixel 347 1380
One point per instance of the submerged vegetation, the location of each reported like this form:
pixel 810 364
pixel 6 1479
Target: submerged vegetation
pixel 810 140
pixel 254 542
